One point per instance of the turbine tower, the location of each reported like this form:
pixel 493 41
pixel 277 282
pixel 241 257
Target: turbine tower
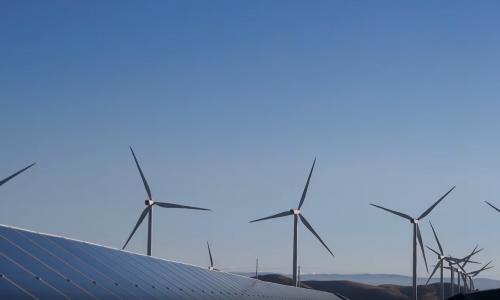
pixel 149 208
pixel 257 268
pixel 211 267
pixel 3 181
pixel 296 215
pixel 417 236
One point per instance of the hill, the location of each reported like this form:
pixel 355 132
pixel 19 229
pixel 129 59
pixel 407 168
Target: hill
pixel 361 291
pixel 483 295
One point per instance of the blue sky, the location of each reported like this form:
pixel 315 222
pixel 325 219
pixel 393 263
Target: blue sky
pixel 227 103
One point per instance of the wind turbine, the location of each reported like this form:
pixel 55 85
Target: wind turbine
pixel 477 272
pixel 416 236
pixel 468 275
pixel 456 261
pixel 149 208
pixel 3 181
pixel 464 273
pixel 296 215
pixel 451 261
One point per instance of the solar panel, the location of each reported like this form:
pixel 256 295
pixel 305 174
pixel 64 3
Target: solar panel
pixel 41 266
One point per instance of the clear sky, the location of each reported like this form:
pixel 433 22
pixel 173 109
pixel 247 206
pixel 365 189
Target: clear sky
pixel 227 103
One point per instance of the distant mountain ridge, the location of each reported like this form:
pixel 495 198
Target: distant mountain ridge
pixel 385 279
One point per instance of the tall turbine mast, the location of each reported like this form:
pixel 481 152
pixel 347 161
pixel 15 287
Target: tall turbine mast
pixel 257 268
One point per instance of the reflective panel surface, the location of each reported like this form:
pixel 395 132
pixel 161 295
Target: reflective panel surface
pixel 41 266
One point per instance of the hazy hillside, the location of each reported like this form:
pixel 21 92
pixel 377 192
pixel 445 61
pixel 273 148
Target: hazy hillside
pixel 379 279
pixel 390 279
pixel 361 291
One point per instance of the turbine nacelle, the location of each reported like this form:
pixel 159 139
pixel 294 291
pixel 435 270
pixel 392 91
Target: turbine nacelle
pixel 414 221
pixel 149 202
pixel 295 211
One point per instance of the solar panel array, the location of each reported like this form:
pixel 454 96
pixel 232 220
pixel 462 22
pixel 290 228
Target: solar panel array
pixel 40 266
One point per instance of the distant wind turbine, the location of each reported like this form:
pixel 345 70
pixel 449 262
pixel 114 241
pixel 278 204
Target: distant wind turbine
pixel 3 181
pixel 417 237
pixel 473 274
pixel 296 215
pixel 149 208
pixel 451 261
pixel 465 275
pixel 459 269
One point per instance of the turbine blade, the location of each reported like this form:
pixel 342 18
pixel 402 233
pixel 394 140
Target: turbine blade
pixel 437 240
pixel 485 266
pixel 210 254
pixel 437 253
pixel 464 263
pixel 141 218
pixel 434 271
pixel 15 174
pixel 461 268
pixel 172 205
pixel 453 260
pixel 394 212
pixel 304 221
pixel 304 192
pixel 422 247
pixel 474 252
pixel 475 273
pixel 493 206
pixel 282 214
pixel 144 181
pixel 434 205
